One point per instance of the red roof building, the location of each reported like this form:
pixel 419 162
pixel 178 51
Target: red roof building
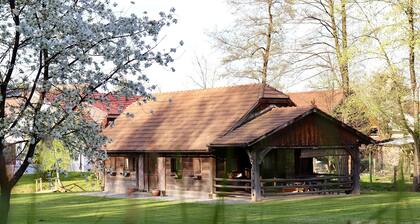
pixel 325 100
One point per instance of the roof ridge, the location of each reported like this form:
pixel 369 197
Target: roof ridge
pixel 207 89
pixel 250 118
pixel 298 107
pixel 274 88
pixel 314 91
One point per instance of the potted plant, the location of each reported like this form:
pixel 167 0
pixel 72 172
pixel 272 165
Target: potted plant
pixel 155 192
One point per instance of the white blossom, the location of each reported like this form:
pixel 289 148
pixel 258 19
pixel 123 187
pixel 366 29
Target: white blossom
pixel 67 51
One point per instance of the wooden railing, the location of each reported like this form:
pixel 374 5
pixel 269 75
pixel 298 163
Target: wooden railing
pixel 314 185
pixel 326 184
pixel 38 185
pixel 235 187
pixel 52 185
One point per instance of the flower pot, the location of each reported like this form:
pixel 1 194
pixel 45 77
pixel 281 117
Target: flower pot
pixel 132 190
pixel 155 193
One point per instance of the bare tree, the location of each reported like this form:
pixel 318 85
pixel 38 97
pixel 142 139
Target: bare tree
pixel 326 49
pixel 253 46
pixel 204 76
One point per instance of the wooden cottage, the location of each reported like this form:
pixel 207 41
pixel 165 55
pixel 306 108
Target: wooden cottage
pixel 242 140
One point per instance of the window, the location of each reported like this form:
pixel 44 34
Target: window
pixel 197 166
pixel 110 121
pixel 176 167
pixel 120 165
pixel 130 163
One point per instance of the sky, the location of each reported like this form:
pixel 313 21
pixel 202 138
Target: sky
pixel 196 18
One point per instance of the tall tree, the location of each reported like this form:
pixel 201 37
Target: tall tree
pixel 413 39
pixel 389 37
pixel 53 55
pixel 326 48
pixel 253 46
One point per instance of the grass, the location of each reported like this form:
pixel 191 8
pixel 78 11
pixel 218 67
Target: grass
pixel 72 208
pixel 27 183
pixel 378 203
pixel 383 183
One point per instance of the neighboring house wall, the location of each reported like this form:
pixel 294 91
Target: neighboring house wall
pixel 97 115
pixel 10 156
pixel 101 113
pixel 80 164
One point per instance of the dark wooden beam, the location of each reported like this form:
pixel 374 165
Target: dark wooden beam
pixel 255 175
pixel 355 168
pixel 140 173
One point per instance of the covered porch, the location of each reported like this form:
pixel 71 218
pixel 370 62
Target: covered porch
pixel 282 153
pixel 286 171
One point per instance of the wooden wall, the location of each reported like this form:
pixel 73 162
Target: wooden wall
pixel 311 131
pixel 120 183
pixel 165 179
pixel 189 181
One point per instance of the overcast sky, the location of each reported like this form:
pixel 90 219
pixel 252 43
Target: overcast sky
pixel 196 18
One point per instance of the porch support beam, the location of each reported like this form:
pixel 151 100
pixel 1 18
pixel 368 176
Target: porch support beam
pixel 355 169
pixel 255 175
pixel 140 173
pixel 161 173
pixel 212 175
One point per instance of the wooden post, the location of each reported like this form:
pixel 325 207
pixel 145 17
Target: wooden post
pixel 212 175
pixel 140 173
pixel 370 166
pixel 356 170
pixel 394 180
pixel 255 175
pixel 161 173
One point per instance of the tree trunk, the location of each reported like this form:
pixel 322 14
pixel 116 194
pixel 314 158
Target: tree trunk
pixel 267 49
pixel 344 62
pixel 370 166
pixel 341 50
pixel 4 205
pixel 414 91
pixel 416 177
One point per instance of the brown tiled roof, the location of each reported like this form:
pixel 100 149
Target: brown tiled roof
pixel 270 119
pixel 325 100
pixel 184 121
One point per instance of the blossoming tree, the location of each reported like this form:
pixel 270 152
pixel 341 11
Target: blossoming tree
pixel 53 55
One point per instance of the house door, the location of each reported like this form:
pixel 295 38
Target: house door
pixel 152 172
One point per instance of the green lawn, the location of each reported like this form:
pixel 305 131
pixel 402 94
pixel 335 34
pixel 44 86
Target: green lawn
pixel 383 183
pixel 27 183
pixel 377 204
pixel 72 208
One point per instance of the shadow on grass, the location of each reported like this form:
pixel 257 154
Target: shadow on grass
pixel 388 207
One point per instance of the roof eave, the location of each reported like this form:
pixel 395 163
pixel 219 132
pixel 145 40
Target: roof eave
pixel 228 145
